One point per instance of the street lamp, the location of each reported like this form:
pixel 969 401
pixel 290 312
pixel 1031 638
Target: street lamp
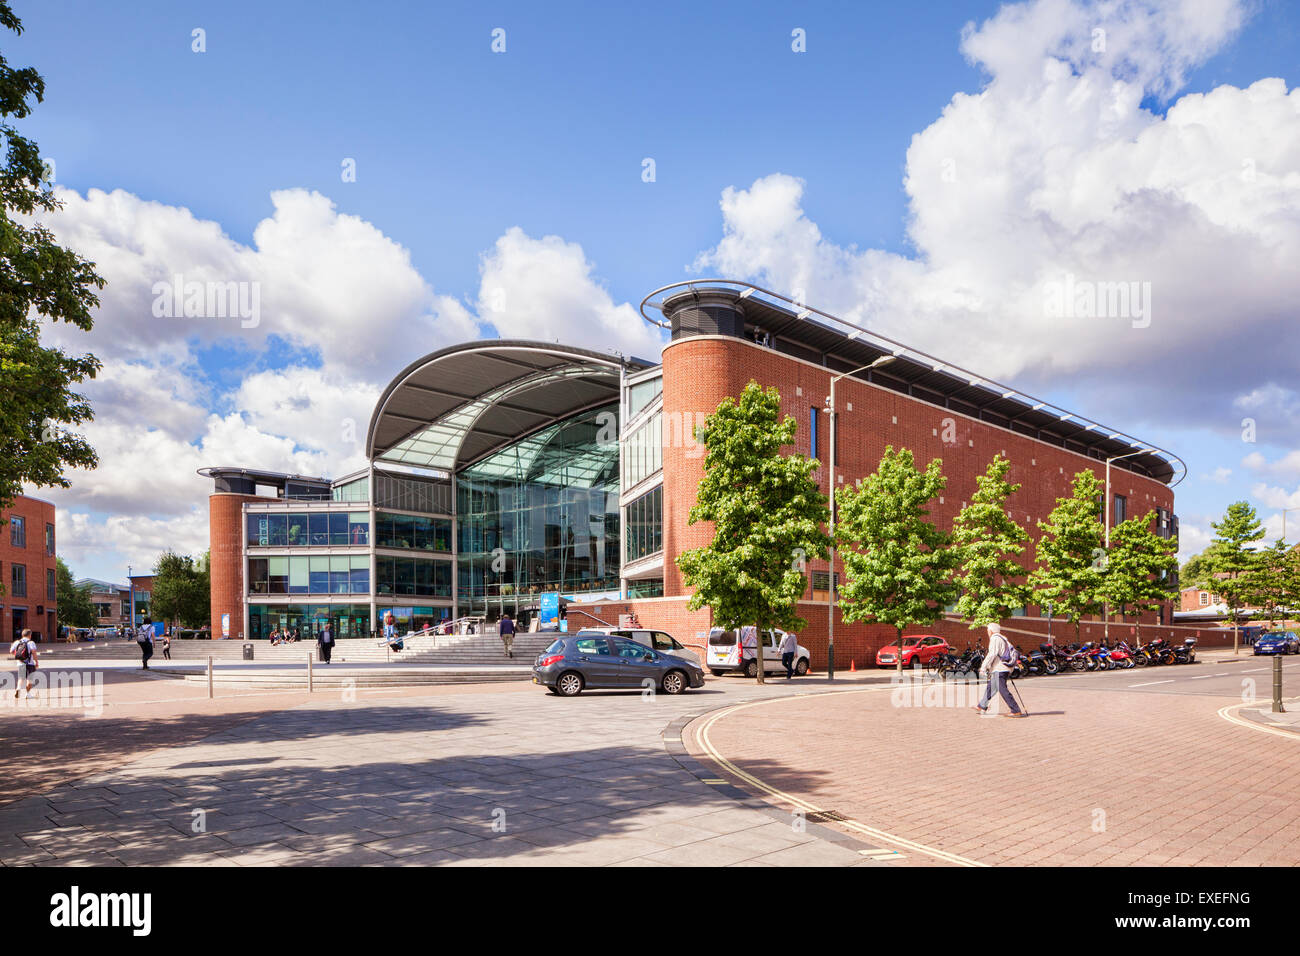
pixel 1106 507
pixel 830 574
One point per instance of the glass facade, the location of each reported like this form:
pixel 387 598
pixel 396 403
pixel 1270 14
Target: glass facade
pixel 542 514
pixel 415 618
pixel 644 454
pixel 356 490
pixel 423 577
pixel 642 394
pixel 647 588
pixel 346 620
pixel 412 531
pixel 301 574
pixel 644 527
pixel 410 494
pixel 307 529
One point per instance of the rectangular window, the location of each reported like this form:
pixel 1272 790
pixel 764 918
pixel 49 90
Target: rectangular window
pixel 812 425
pixel 298 575
pixel 257 576
pixel 18 532
pixel 49 584
pixel 1121 507
pixel 318 575
pixel 49 539
pixel 278 575
pixel 1205 599
pixel 820 581
pixel 19 573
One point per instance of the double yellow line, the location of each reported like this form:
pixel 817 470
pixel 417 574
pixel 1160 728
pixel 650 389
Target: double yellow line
pixel 702 735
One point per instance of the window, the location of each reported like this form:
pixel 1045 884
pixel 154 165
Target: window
pixel 49 584
pixel 19 574
pixel 49 539
pixel 643 528
pixel 592 645
pixel 1121 509
pixel 820 581
pixel 18 532
pixel 1205 599
pixel 812 427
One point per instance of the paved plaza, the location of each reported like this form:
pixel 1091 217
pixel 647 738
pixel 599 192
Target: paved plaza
pixel 1135 768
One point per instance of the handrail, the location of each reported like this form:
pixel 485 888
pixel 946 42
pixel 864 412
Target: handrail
pixel 803 310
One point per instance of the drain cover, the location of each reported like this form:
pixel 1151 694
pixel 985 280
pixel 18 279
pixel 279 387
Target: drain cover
pixel 826 816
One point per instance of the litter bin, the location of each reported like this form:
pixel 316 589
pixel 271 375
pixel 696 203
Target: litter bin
pixel 248 651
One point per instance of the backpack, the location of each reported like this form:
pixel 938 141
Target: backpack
pixel 22 652
pixel 1010 655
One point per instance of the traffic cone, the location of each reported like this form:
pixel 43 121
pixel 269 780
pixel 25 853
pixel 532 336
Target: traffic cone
pixel 853 664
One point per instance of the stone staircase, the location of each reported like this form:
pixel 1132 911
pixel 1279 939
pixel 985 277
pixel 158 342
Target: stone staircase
pixel 431 650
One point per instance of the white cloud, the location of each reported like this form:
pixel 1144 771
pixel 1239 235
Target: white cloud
pixel 1055 170
pixel 1219 476
pixel 1286 468
pixel 543 289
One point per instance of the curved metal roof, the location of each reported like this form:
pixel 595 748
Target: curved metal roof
pixel 460 404
pixel 846 346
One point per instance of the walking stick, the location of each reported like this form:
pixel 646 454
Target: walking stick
pixel 1023 709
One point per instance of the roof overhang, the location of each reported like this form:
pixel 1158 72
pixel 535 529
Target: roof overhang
pixel 460 404
pixel 843 346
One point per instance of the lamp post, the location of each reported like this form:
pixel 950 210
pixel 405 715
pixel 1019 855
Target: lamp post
pixel 1106 507
pixel 830 574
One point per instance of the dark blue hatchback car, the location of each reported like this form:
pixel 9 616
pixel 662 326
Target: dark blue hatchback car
pixel 575 663
pixel 1277 642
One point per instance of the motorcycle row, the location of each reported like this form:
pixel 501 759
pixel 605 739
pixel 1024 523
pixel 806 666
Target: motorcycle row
pixel 1054 658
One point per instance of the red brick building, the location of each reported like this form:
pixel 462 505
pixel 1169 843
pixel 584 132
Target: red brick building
pixel 28 569
pixel 504 470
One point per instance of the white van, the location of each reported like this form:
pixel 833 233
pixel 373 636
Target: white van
pixel 726 653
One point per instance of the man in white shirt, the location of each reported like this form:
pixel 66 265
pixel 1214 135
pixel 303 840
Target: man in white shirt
pixel 144 637
pixel 789 649
pixel 23 651
pixel 996 667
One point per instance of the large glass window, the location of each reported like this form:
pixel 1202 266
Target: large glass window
pixel 642 394
pixel 345 620
pixel 18 532
pixel 311 529
pixel 356 490
pixel 643 528
pixel 541 515
pixel 423 577
pixel 410 494
pixel 302 574
pixel 412 531
pixel 644 450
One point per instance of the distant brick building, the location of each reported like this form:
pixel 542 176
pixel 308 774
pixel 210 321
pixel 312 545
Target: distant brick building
pixel 28 569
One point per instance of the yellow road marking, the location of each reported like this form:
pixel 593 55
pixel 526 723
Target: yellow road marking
pixel 1227 713
pixel 876 834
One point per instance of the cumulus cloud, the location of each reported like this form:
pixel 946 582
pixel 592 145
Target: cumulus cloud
pixel 1055 177
pixel 544 289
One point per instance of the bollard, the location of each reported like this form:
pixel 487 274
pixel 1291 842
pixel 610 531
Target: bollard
pixel 1277 685
pixel 209 677
pixel 309 673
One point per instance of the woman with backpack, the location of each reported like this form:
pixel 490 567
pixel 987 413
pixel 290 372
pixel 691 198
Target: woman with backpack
pixel 144 637
pixel 24 652
pixel 999 660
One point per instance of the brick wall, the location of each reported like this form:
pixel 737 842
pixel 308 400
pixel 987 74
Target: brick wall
pixel 700 371
pixel 226 563
pixel 36 610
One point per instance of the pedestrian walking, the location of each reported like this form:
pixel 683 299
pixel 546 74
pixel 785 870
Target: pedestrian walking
pixel 326 643
pixel 789 649
pixel 144 637
pixel 167 647
pixel 23 651
pixel 997 665
pixel 507 631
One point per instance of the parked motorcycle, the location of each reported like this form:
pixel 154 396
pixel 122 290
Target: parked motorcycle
pixel 1121 656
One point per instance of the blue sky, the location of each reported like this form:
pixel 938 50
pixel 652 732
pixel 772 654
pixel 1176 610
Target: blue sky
pixel 455 146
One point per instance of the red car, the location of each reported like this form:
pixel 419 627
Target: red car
pixel 918 650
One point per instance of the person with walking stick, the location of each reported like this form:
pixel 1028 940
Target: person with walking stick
pixel 997 665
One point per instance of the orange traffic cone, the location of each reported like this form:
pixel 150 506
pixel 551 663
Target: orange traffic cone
pixel 853 663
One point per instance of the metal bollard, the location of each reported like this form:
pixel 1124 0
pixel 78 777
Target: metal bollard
pixel 1277 685
pixel 309 674
pixel 209 677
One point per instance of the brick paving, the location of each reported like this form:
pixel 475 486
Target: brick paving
pixel 462 776
pixel 1117 778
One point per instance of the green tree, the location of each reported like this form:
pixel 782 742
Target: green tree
pixel 1140 567
pixel 180 591
pixel 75 607
pixel 1233 564
pixel 768 518
pixel 988 541
pixel 1275 581
pixel 1071 559
pixel 1197 571
pixel 898 565
pixel 39 280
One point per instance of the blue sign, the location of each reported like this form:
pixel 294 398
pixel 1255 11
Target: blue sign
pixel 549 612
